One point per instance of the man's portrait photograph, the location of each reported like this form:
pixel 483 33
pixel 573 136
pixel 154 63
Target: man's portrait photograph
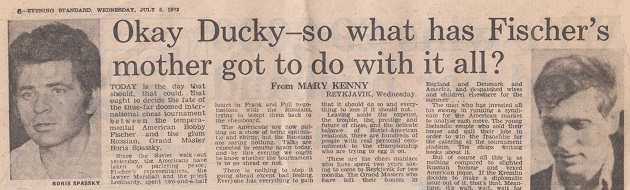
pixel 54 97
pixel 577 119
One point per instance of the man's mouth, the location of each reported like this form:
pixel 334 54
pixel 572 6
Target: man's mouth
pixel 569 159
pixel 43 127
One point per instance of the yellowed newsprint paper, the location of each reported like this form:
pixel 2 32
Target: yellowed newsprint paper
pixel 418 95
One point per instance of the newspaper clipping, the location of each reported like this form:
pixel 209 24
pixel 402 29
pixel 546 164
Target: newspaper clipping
pixel 422 95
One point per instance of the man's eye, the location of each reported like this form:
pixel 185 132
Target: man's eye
pixel 27 95
pixel 59 91
pixel 579 124
pixel 554 125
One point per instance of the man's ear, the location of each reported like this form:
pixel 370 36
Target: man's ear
pixel 613 122
pixel 94 102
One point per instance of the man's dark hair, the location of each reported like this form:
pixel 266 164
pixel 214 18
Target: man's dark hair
pixel 562 77
pixel 57 42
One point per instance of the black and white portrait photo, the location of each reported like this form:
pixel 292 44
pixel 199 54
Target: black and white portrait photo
pixel 577 132
pixel 54 97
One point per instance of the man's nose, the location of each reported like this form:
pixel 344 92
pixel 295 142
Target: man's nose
pixel 42 104
pixel 567 137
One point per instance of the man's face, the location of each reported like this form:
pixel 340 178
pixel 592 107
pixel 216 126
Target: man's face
pixel 577 134
pixel 50 101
